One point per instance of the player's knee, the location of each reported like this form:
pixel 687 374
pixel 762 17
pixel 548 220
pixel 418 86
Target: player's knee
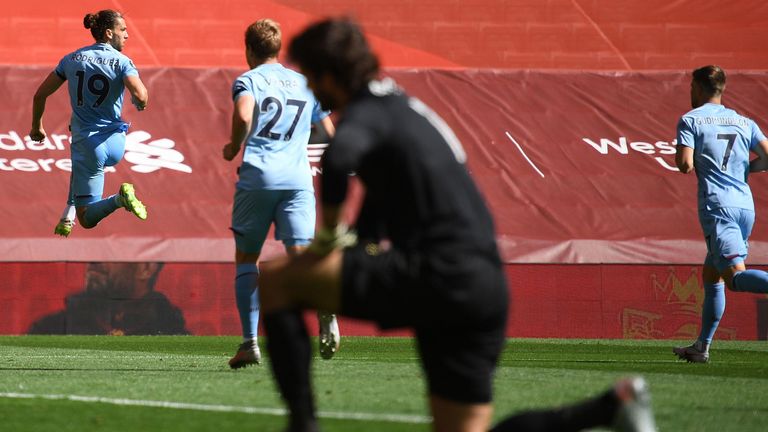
pixel 730 281
pixel 85 223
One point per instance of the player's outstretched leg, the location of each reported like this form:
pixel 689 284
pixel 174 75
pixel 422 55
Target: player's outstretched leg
pixel 626 407
pixel 330 337
pixel 754 281
pixel 635 413
pixel 130 202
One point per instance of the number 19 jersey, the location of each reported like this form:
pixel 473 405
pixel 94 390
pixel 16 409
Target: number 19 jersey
pixel 275 155
pixel 95 75
pixel 721 140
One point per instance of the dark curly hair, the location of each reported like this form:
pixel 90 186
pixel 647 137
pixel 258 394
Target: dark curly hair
pixel 100 22
pixel 336 46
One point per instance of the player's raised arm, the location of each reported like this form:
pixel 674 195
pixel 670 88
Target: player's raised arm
pixel 47 88
pixel 139 94
pixel 760 163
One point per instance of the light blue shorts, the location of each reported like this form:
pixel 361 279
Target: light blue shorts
pixel 726 231
pixel 292 211
pixel 89 157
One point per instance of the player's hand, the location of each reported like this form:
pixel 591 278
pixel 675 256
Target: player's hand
pixel 327 239
pixel 139 105
pixel 37 134
pixel 230 151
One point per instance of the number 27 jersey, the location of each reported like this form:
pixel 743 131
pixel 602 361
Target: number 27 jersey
pixel 95 75
pixel 721 140
pixel 275 155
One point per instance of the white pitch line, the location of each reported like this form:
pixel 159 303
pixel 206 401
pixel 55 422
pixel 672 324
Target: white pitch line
pixel 524 155
pixel 395 418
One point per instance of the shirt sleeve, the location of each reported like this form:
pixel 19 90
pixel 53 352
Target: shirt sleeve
pixel 342 157
pixel 757 135
pixel 61 69
pixel 685 133
pixel 241 86
pixel 129 69
pixel 318 113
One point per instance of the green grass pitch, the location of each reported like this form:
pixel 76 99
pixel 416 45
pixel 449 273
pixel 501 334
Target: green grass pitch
pixel 102 383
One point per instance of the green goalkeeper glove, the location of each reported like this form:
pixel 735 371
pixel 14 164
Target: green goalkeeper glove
pixel 326 240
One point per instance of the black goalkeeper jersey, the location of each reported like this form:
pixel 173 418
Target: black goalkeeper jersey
pixel 419 194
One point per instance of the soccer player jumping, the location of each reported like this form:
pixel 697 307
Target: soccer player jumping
pixel 97 76
pixel 716 141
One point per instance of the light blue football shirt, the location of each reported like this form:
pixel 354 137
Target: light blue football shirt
pixel 721 140
pixel 95 76
pixel 275 155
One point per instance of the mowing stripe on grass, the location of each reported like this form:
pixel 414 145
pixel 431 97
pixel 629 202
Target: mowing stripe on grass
pixel 395 418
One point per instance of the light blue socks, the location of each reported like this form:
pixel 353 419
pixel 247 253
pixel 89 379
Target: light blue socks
pixel 754 281
pixel 101 209
pixel 712 310
pixel 247 297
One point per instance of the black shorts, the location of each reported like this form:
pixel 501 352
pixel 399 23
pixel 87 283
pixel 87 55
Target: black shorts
pixel 457 307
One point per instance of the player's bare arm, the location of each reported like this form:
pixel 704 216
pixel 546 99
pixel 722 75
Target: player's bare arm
pixel 327 124
pixel 241 124
pixel 684 159
pixel 760 163
pixel 47 88
pixel 139 94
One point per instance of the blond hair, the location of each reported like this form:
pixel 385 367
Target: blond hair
pixel 263 38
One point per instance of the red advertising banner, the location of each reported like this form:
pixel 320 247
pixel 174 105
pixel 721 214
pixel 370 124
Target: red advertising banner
pixel 598 229
pixel 563 301
pixel 576 167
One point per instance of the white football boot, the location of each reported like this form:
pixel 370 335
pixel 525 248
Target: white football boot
pixel 329 334
pixel 635 413
pixel 695 353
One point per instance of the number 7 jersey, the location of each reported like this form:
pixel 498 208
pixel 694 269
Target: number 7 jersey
pixel 275 155
pixel 95 75
pixel 721 140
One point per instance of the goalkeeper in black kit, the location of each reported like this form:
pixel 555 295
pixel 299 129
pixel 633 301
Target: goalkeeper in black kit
pixel 426 258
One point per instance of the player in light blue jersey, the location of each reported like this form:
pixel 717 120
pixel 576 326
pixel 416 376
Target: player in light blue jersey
pixel 273 115
pixel 97 76
pixel 717 141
